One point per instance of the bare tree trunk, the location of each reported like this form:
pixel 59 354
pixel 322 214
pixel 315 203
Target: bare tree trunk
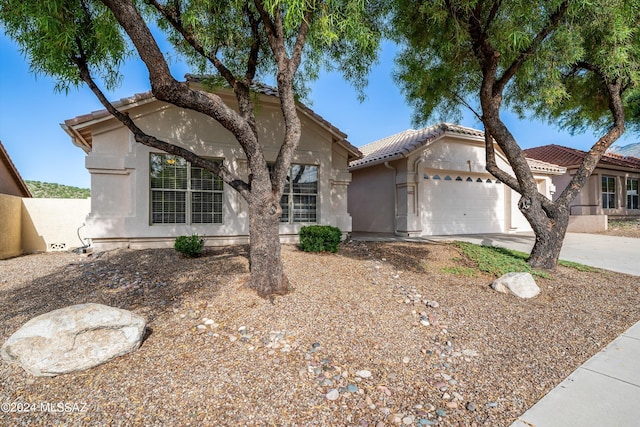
pixel 550 228
pixel 265 263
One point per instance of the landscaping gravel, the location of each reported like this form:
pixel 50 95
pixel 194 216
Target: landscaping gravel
pixel 374 335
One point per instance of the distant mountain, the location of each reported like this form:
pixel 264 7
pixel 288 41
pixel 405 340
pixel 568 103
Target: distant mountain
pixel 632 150
pixel 48 190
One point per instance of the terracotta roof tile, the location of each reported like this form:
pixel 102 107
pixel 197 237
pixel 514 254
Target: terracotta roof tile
pixel 571 157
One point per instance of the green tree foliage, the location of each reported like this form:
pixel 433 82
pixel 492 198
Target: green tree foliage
pixel 237 43
pixel 48 190
pixel 440 73
pixel 573 63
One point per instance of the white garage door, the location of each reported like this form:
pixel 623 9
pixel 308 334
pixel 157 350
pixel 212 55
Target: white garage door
pixel 462 204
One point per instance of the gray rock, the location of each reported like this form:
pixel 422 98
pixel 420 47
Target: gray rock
pixel 73 339
pixel 333 394
pixel 521 285
pixel 408 420
pixel 364 373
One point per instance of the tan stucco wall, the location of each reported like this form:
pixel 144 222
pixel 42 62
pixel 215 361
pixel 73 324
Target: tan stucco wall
pixel 10 225
pixel 371 199
pixel 119 170
pixel 589 200
pixel 52 224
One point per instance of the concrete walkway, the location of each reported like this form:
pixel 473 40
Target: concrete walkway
pixel 605 390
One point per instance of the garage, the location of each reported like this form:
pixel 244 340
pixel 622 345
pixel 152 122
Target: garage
pixel 434 181
pixel 461 204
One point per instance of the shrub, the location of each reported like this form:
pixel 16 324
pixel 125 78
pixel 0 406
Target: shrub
pixel 190 246
pixel 320 238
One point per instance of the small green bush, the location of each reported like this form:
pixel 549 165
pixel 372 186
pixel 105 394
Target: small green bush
pixel 190 246
pixel 320 238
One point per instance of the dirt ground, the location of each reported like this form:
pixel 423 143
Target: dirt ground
pixel 624 228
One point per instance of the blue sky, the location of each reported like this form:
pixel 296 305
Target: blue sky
pixel 31 113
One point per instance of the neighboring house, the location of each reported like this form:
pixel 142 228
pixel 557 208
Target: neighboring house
pixel 142 197
pixel 11 182
pixel 612 188
pixel 433 181
pixel 12 190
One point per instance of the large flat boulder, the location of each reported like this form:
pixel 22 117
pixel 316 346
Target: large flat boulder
pixel 73 339
pixel 519 284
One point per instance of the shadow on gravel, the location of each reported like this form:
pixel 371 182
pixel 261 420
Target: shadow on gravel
pixel 402 256
pixel 150 281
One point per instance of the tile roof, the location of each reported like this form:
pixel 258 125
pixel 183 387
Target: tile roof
pixel 81 121
pixel 13 171
pixel 571 157
pixel 398 145
pixel 401 144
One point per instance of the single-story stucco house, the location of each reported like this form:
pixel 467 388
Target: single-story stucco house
pixel 612 188
pixel 433 181
pixel 142 197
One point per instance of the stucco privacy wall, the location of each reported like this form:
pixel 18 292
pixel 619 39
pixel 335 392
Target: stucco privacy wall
pixel 53 224
pixel 30 225
pixel 10 226
pixel 119 168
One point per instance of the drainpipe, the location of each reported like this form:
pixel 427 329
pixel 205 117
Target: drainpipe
pixel 417 167
pixel 395 198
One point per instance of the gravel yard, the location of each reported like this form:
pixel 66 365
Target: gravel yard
pixel 345 347
pixel 624 228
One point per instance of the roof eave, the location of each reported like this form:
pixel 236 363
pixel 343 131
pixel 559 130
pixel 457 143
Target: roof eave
pixel 377 162
pixel 76 138
pixel 13 170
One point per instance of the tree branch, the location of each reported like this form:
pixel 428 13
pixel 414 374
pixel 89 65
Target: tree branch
pixel 466 104
pixel 174 19
pixel 148 140
pixel 553 23
pixel 492 15
pixel 252 63
pixel 303 30
pixel 590 161
pixel 166 88
pixel 492 165
pixel 271 30
pixel 240 88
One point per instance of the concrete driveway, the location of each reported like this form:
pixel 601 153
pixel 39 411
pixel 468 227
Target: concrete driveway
pixel 608 252
pixel 619 254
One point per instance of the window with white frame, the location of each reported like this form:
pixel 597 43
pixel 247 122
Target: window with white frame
pixel 182 193
pixel 632 193
pixel 299 201
pixel 608 192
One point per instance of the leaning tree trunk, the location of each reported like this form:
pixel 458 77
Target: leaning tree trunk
pixel 550 227
pixel 265 263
